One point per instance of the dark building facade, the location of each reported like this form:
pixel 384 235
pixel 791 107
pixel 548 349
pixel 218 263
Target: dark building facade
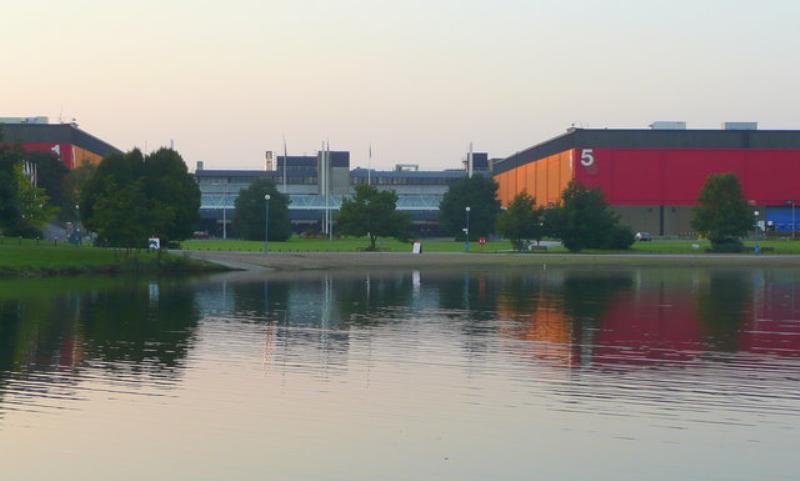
pixel 652 178
pixel 319 183
pixel 72 145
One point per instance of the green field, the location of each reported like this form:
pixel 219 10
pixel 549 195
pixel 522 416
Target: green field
pixel 29 257
pixel 296 244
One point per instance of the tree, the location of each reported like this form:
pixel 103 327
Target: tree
pixel 521 222
pixel 50 175
pixel 722 214
pixel 169 185
pixel 10 216
pixel 74 183
pixel 249 216
pixel 131 197
pixel 24 208
pixel 584 220
pixel 479 193
pixel 372 213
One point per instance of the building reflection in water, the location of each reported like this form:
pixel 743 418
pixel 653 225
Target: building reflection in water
pixel 144 331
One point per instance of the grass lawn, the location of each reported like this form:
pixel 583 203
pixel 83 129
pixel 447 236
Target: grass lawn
pixel 30 257
pixel 296 244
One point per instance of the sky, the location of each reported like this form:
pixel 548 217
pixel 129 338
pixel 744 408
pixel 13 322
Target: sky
pixel 419 80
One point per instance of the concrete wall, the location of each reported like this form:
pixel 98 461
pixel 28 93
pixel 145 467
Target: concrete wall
pixel 669 220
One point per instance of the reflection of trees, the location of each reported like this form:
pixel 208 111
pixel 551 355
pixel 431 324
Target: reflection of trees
pixel 721 303
pixel 360 299
pixel 559 310
pixel 261 299
pixel 54 327
pixel 587 296
pixel 139 324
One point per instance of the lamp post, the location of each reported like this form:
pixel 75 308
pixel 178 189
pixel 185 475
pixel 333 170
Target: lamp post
pixel 225 213
pixel 78 222
pixel 755 223
pixel 266 224
pixel 466 229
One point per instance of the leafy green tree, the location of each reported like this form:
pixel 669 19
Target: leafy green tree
pixel 121 215
pixel 50 176
pixel 34 210
pixel 722 214
pixel 585 221
pixel 131 197
pixel 24 208
pixel 522 221
pixel 479 193
pixel 74 183
pixel 373 213
pixel 10 216
pixel 170 186
pixel 249 216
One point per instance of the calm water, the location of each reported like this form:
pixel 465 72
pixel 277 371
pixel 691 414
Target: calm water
pixel 554 374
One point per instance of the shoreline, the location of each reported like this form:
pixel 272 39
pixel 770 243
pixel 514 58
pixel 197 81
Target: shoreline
pixel 280 261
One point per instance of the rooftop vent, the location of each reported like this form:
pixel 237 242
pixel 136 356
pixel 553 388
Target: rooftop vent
pixel 668 125
pixel 268 164
pixel 199 166
pixel 406 168
pixel 740 126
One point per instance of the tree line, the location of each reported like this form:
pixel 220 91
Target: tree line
pixel 130 196
pixel 581 220
pixel 35 189
pixel 124 200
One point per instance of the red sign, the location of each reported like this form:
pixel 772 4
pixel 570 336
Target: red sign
pixel 482 241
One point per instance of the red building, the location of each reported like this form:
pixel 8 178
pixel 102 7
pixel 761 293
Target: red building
pixel 72 145
pixel 653 177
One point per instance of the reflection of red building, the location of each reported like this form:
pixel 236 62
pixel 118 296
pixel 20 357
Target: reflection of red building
pixel 72 145
pixel 546 326
pixel 646 325
pixel 668 322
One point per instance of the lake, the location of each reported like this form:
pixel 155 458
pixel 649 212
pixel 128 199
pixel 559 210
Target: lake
pixel 537 373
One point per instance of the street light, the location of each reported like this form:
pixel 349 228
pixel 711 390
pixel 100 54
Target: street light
pixel 266 223
pixel 466 230
pixel 78 222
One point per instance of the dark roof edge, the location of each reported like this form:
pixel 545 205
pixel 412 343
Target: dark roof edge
pixel 653 139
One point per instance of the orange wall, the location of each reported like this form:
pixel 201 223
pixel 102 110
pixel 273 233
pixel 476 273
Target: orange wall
pixel 544 179
pixel 83 156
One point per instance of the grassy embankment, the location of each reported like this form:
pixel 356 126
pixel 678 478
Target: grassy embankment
pixel 296 244
pixel 32 258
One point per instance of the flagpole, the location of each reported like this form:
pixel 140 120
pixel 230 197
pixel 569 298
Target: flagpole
pixel 369 166
pixel 285 154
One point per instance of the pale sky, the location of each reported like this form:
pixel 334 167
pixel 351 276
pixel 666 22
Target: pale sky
pixel 419 79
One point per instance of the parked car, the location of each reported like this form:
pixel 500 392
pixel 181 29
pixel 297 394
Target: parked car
pixel 644 236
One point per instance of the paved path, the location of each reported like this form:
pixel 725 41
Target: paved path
pixel 366 260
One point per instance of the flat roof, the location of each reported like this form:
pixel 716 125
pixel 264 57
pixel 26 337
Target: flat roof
pixel 357 172
pixel 653 139
pixel 235 173
pixel 407 174
pixel 28 133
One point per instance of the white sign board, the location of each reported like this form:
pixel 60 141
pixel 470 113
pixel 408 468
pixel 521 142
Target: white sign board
pixel 154 243
pixel 417 248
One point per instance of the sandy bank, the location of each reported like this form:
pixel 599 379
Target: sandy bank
pixel 371 260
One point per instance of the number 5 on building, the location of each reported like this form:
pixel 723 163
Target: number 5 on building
pixel 587 157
